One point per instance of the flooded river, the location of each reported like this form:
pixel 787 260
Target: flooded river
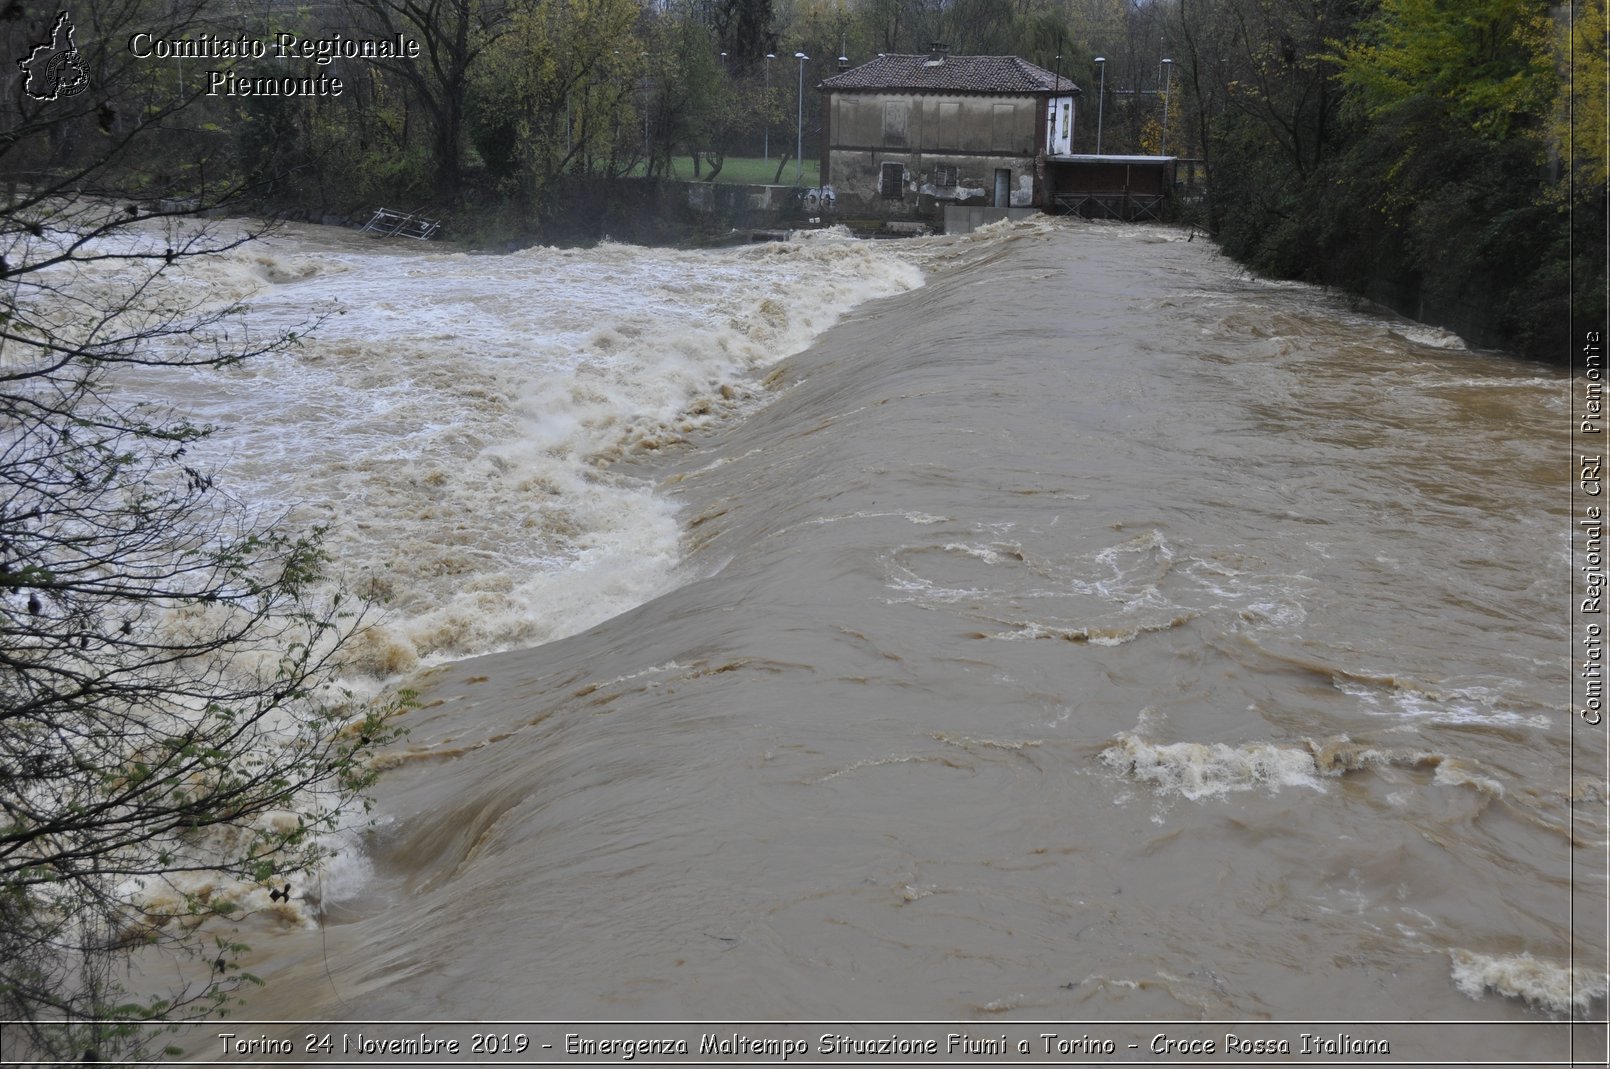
pixel 1078 630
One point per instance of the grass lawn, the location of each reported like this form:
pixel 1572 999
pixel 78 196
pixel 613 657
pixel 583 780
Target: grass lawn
pixel 748 171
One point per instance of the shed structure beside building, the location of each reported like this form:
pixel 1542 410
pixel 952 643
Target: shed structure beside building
pixel 1114 187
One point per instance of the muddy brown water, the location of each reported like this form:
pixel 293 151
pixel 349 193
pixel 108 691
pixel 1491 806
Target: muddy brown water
pixel 1092 633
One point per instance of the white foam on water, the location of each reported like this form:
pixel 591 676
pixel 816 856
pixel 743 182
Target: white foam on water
pixel 1428 336
pixel 1095 635
pixel 1453 774
pixel 455 419
pixel 1544 984
pixel 1459 705
pixel 1207 770
pixel 990 554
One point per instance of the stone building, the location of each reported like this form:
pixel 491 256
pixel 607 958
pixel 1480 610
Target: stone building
pixel 907 135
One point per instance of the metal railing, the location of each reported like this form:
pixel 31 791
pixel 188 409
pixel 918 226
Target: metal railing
pixel 390 223
pixel 1130 207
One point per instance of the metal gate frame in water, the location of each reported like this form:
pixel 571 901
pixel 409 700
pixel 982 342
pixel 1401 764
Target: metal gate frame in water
pixel 388 222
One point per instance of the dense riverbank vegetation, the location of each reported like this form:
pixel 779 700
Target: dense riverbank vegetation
pixel 1446 157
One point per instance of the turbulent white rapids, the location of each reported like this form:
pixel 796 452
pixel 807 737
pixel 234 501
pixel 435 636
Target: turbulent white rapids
pixel 1079 630
pixel 452 415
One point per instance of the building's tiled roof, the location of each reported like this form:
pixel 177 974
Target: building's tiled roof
pixel 957 74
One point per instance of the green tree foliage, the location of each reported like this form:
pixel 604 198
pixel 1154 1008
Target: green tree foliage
pixel 1131 36
pixel 453 35
pixel 1579 120
pixel 1037 30
pixel 1482 66
pixel 745 32
pixel 1579 124
pixel 371 146
pixel 697 107
pixel 1404 149
pixel 558 95
pixel 1265 113
pixel 1452 102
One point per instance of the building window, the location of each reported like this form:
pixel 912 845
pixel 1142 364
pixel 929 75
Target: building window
pixel 892 182
pixel 946 176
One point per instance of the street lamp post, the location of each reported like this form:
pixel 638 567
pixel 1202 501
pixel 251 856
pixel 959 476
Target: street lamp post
pixel 1168 75
pixel 1056 80
pixel 765 137
pixel 799 126
pixel 1101 99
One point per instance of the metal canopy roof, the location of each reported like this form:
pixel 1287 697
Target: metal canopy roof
pixel 1081 158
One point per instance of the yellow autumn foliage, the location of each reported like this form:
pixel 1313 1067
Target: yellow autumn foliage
pixel 1579 123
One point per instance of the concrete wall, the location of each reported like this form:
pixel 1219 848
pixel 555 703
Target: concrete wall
pixel 970 136
pixel 731 205
pixel 725 198
pixel 964 219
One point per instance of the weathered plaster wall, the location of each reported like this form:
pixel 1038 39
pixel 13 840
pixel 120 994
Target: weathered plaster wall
pixel 970 136
pixel 731 205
